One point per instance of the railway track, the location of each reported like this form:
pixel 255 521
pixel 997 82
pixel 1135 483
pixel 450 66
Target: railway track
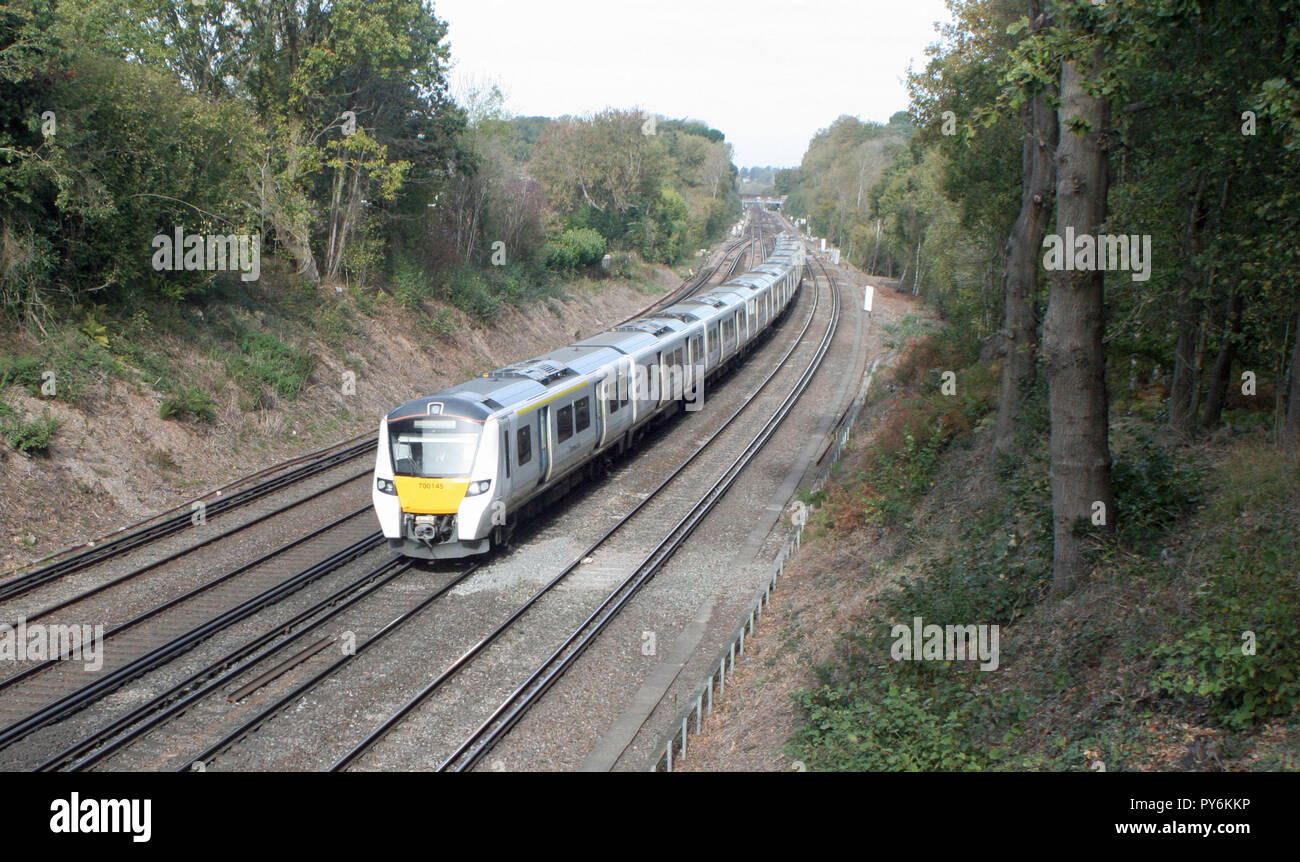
pixel 732 254
pixel 59 688
pixel 257 664
pixel 171 524
pixel 547 673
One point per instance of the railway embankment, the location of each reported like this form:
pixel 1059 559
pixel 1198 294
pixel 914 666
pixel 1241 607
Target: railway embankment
pixel 1153 665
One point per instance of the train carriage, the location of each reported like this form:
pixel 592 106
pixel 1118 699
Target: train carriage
pixel 455 471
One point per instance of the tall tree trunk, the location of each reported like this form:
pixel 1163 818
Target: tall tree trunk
pixel 1218 393
pixel 1291 429
pixel 1020 313
pixel 1072 334
pixel 1186 381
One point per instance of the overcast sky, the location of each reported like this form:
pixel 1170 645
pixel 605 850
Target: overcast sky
pixel 768 73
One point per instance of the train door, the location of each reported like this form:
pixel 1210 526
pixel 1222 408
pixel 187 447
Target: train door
pixel 527 468
pixel 602 409
pixel 697 366
pixel 544 442
pixel 504 473
pixel 663 378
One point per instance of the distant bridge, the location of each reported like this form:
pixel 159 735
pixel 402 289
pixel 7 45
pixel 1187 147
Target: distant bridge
pixel 776 201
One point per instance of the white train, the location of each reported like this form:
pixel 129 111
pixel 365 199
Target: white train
pixel 456 471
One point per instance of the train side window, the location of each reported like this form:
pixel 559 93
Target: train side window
pixel 505 449
pixel 563 423
pixel 582 412
pixel 524 441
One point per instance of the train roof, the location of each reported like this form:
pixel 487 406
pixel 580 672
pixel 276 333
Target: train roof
pixel 582 358
pixel 445 403
pixel 520 382
pixel 751 280
pixel 622 340
pixel 688 311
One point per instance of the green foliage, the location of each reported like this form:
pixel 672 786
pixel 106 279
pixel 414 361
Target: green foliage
pixel 469 290
pixel 265 360
pixel 625 264
pixel 21 371
pixel 907 451
pixel 660 191
pixel 1252 589
pixel 30 436
pixel 1152 487
pixel 878 725
pixel 192 402
pixel 409 284
pixel 833 185
pixel 574 248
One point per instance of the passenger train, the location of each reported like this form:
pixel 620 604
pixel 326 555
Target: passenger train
pixel 456 471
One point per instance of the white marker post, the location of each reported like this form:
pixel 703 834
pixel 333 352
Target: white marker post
pixel 868 294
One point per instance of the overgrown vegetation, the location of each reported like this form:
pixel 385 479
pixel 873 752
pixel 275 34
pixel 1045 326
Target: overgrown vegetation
pixel 1152 646
pixel 27 435
pixel 190 402
pixel 345 161
pixel 1095 523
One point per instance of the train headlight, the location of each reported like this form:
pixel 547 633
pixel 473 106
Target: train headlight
pixel 476 488
pixel 386 486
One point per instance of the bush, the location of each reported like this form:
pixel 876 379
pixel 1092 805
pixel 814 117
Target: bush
pixel 878 725
pixel 574 248
pixel 1152 489
pixel 190 401
pixel 1255 591
pixel 625 264
pixel 21 370
pixel 465 288
pixel 30 436
pixel 410 284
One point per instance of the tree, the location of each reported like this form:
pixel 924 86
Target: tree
pixel 1072 342
pixel 1020 306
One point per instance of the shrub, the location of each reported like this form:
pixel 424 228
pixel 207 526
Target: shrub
pixel 574 248
pixel 21 370
pixel 190 401
pixel 626 265
pixel 466 289
pixel 1255 591
pixel 878 725
pixel 410 284
pixel 1152 488
pixel 30 436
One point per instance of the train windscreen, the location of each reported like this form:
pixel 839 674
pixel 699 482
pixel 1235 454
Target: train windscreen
pixel 433 447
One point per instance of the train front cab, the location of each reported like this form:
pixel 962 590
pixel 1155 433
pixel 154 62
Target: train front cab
pixel 434 471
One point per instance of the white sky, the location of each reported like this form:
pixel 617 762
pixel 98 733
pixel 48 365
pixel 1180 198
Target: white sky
pixel 768 73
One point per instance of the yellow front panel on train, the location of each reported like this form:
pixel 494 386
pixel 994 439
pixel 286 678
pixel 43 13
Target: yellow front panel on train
pixel 430 496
